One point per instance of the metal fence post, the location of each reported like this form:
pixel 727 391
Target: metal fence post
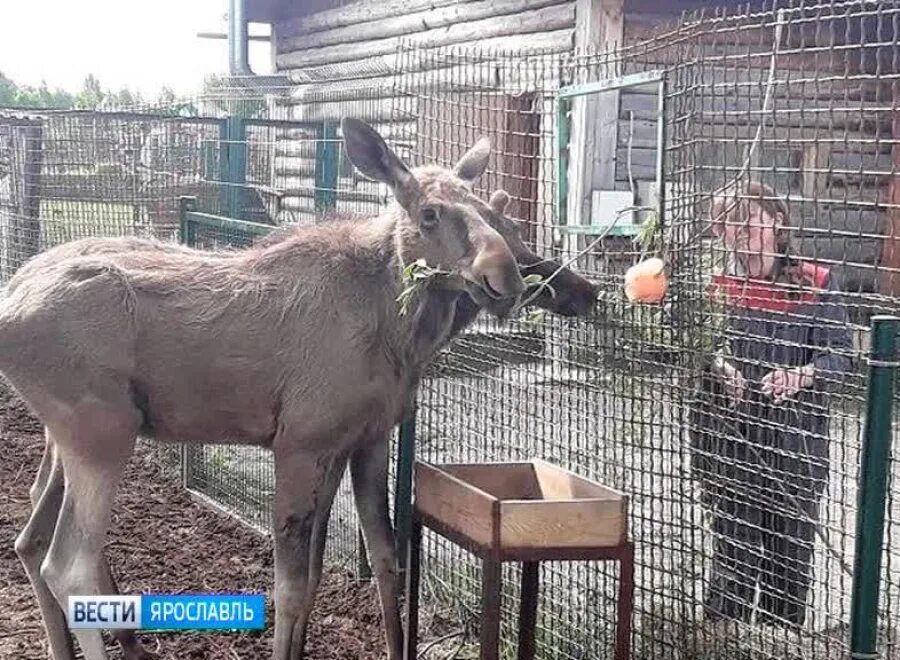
pixel 327 167
pixel 232 164
pixel 406 456
pixel 186 204
pixel 563 106
pixel 873 488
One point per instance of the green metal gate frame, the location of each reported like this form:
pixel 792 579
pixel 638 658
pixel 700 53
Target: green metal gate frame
pixel 230 171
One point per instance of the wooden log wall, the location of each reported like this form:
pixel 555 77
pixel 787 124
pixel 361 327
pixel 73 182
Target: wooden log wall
pixel 344 61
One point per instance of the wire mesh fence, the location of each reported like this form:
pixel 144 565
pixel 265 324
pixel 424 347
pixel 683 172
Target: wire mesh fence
pixel 743 507
pixel 743 504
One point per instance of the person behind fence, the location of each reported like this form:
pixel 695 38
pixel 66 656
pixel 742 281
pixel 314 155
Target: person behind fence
pixel 760 429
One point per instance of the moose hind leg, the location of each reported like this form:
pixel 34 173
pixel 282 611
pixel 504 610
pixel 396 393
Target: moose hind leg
pixel 299 483
pixel 31 547
pixel 369 469
pixel 320 534
pixel 97 442
pixel 44 469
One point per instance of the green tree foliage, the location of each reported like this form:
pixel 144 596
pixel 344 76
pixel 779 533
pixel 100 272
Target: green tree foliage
pixel 91 96
pixel 25 96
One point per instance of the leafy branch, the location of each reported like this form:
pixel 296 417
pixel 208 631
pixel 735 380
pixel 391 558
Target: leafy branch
pixel 415 277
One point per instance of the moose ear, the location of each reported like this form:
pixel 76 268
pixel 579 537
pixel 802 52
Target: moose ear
pixel 499 201
pixel 474 161
pixel 370 154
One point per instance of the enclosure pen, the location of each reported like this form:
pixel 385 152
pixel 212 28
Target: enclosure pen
pixel 801 96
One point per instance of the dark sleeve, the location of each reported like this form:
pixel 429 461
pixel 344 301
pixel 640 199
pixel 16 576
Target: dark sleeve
pixel 831 339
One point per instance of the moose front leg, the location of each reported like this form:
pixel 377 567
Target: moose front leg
pixel 369 469
pixel 299 483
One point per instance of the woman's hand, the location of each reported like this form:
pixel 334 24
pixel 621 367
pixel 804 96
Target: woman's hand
pixel 782 384
pixel 732 380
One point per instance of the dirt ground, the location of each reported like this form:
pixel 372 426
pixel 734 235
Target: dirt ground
pixel 163 541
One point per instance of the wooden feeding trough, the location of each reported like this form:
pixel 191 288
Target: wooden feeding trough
pixel 526 512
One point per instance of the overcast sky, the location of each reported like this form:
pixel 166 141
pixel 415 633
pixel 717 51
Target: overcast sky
pixel 142 44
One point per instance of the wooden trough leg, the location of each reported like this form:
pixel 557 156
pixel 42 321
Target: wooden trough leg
pixel 626 602
pixel 528 609
pixel 414 557
pixel 490 609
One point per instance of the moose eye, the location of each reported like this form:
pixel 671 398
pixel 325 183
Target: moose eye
pixel 430 218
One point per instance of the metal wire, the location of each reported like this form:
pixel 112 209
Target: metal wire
pixel 615 397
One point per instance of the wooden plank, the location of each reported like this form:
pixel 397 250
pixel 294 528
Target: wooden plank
pixel 559 483
pixel 460 506
pixel 358 12
pixel 518 159
pixel 454 78
pixel 844 178
pixel 483 49
pixel 295 203
pixel 642 26
pixel 510 481
pixel 373 111
pixel 851 225
pixel 561 523
pixel 414 22
pixel 735 109
pixel 350 196
pixel 292 148
pixel 296 177
pixel 549 18
pixel 861 251
pixel 795 136
pixel 889 280
pixel 643 165
pixel 447 127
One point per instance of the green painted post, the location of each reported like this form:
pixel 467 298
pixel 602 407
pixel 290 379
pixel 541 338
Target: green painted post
pixel 223 167
pixel 563 126
pixel 186 204
pixel 873 488
pixel 210 160
pixel 232 165
pixel 406 456
pixel 237 165
pixel 328 155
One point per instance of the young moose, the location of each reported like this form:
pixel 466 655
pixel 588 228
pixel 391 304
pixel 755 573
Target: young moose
pixel 296 346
